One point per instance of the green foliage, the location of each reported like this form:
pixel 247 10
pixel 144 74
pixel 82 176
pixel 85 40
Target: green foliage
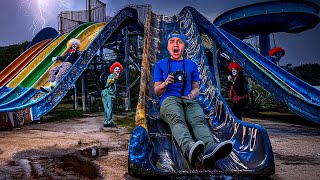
pixel 119 104
pixel 63 111
pixel 10 53
pixel 309 73
pixel 128 121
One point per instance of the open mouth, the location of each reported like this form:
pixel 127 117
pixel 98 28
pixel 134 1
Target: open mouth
pixel 175 50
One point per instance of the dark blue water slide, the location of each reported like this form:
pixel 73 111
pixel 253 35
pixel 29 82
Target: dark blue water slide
pixel 261 19
pixel 45 33
pixel 270 17
pixel 153 150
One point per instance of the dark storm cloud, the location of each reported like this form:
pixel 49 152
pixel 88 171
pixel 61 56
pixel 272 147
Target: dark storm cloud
pixel 12 25
pixel 300 48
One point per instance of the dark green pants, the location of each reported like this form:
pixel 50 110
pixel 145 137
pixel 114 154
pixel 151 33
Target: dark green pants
pixel 178 114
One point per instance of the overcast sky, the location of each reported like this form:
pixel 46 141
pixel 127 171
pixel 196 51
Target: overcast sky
pixel 20 20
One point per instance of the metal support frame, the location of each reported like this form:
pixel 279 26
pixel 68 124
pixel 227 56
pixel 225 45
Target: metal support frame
pixel 83 85
pixel 264 41
pixel 126 51
pixel 76 101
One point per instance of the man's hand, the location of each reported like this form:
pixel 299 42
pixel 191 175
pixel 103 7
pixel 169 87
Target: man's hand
pixel 190 96
pixel 110 81
pixel 169 80
pixel 54 59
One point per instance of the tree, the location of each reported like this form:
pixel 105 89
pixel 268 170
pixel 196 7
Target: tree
pixel 10 53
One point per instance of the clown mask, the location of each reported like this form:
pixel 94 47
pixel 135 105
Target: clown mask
pixel 74 45
pixel 234 71
pixel 117 70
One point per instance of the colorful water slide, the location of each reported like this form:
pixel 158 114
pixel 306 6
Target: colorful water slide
pixel 34 93
pixel 20 62
pixel 13 83
pixel 153 150
pixel 32 103
pixel 24 81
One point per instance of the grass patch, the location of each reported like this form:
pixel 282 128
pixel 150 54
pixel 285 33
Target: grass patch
pixel 67 111
pixel 63 111
pixel 285 117
pixel 128 121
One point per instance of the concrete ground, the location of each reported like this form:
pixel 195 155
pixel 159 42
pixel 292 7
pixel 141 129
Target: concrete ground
pixel 53 148
pixel 296 146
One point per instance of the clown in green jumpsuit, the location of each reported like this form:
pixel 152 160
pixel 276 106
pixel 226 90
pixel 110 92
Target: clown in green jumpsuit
pixel 109 93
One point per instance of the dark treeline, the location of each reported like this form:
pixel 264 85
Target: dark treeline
pixel 309 73
pixel 10 53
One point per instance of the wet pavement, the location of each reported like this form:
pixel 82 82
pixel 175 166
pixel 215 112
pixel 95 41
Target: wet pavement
pixel 50 164
pixel 69 149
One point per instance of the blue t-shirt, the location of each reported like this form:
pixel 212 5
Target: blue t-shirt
pixel 160 73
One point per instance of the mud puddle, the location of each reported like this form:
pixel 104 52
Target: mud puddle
pixel 55 164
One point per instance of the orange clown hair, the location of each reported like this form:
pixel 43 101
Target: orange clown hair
pixel 116 64
pixel 73 40
pixel 275 50
pixel 234 65
pixel 69 44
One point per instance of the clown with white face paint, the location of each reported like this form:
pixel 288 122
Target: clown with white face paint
pixel 68 58
pixel 234 71
pixel 108 94
pixel 238 93
pixel 117 70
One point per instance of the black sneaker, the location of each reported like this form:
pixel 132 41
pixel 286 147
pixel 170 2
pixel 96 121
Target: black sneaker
pixel 216 152
pixel 193 151
pixel 111 125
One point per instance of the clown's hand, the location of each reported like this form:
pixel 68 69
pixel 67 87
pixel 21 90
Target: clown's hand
pixel 54 59
pixel 83 53
pixel 110 81
pixel 230 78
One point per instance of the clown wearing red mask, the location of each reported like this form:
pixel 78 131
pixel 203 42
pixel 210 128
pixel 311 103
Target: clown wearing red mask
pixel 238 93
pixel 108 94
pixel 68 58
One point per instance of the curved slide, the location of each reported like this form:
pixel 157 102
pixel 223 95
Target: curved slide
pixel 13 83
pixel 20 62
pixel 153 150
pixel 28 103
pixel 24 81
pixel 34 93
pixel 300 97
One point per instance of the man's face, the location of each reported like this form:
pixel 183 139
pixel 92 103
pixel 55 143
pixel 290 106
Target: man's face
pixel 176 48
pixel 234 71
pixel 117 70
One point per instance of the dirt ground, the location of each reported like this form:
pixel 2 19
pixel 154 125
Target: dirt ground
pixel 82 149
pixel 296 146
